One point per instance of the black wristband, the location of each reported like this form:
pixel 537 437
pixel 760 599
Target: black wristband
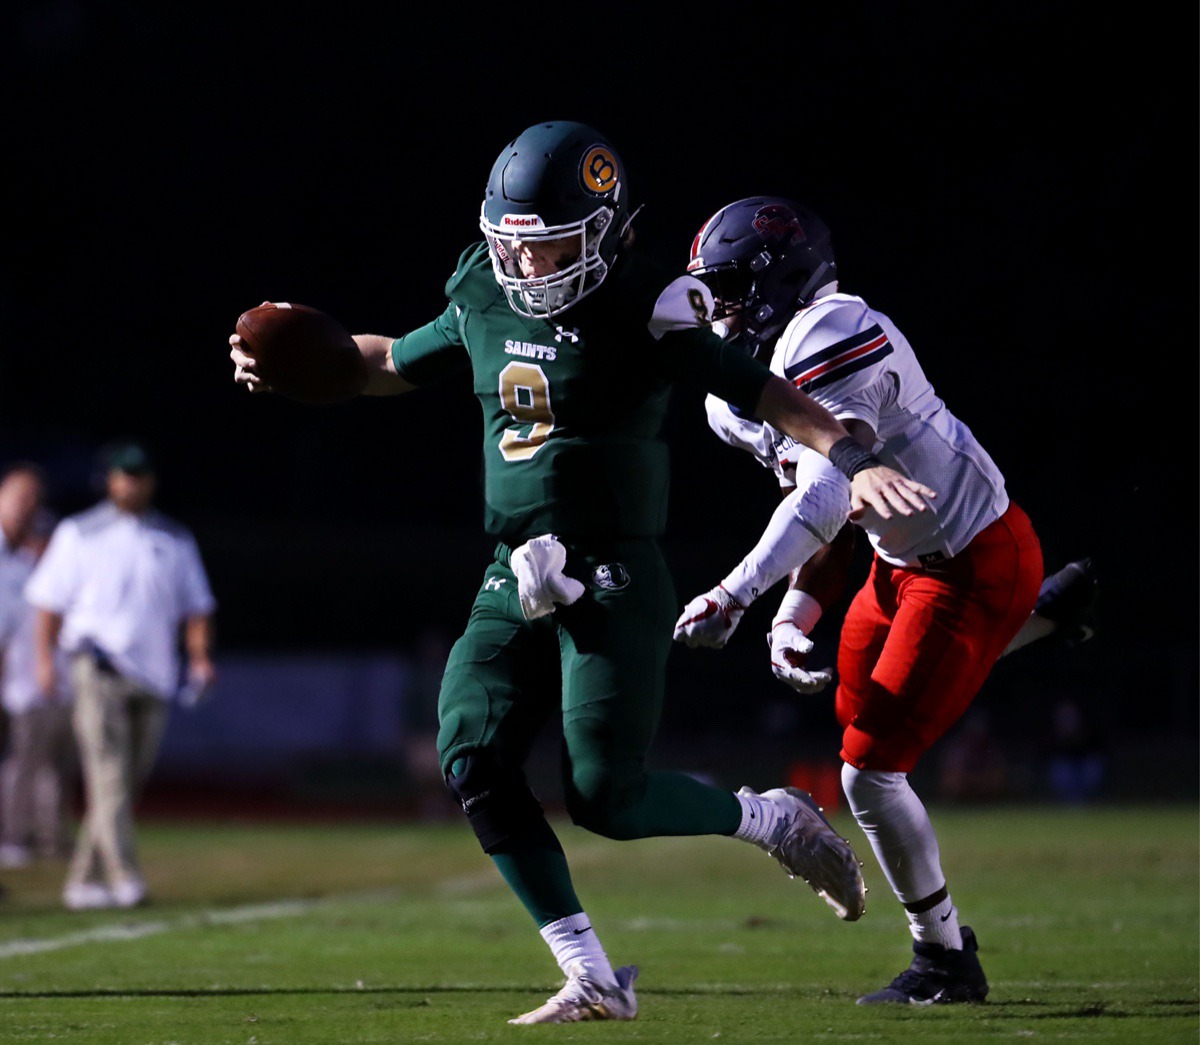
pixel 850 457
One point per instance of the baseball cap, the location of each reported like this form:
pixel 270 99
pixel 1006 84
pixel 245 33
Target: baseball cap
pixel 129 457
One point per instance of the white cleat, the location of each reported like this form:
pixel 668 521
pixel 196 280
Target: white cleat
pixel 581 999
pixel 807 846
pixel 87 896
pixel 130 893
pixel 14 856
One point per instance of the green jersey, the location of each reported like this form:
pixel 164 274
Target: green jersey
pixel 573 406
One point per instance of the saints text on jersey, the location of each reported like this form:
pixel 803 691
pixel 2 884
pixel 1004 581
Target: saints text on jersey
pixel 531 350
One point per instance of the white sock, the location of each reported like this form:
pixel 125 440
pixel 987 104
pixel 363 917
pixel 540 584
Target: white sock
pixel 901 835
pixel 937 924
pixel 759 817
pixel 576 948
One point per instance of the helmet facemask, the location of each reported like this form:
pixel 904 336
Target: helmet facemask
pixel 732 286
pixel 737 300
pixel 577 271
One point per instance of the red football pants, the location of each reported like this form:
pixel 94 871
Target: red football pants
pixel 917 644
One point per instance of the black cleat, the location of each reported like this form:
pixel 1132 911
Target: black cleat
pixel 937 976
pixel 1068 598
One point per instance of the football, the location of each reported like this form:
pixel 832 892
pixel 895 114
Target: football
pixel 302 352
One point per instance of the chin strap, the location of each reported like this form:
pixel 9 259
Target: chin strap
pixel 815 282
pixel 768 326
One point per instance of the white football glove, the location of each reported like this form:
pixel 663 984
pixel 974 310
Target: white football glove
pixel 709 620
pixel 541 583
pixel 790 648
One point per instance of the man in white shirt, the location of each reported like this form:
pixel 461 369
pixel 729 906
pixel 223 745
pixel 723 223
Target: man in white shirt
pixel 115 588
pixel 38 768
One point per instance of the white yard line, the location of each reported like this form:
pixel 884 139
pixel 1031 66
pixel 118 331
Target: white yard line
pixel 100 934
pixel 137 930
pixel 127 930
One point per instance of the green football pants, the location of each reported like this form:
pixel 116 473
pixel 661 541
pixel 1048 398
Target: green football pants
pixel 603 660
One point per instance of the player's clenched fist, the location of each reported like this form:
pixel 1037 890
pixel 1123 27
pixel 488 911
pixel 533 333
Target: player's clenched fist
pixel 709 619
pixel 245 366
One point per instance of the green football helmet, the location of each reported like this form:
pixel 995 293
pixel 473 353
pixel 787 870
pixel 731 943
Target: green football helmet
pixel 554 214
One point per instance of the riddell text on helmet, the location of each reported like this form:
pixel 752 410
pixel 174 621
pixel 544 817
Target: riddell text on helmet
pixel 522 221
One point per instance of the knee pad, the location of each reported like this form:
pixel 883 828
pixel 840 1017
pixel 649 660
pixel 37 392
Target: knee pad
pixel 869 789
pixel 499 805
pixel 898 828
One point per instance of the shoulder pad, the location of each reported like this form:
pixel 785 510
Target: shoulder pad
pixel 473 284
pixel 825 322
pixel 684 304
pixel 840 315
pixel 839 337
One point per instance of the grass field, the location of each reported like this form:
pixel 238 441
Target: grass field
pixel 277 934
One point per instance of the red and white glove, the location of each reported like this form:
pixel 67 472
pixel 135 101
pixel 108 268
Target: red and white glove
pixel 797 615
pixel 709 620
pixel 541 583
pixel 790 648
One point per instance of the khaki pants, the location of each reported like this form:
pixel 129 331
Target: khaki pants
pixel 37 778
pixel 118 727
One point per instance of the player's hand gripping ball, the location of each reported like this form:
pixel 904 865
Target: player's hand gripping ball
pixel 302 353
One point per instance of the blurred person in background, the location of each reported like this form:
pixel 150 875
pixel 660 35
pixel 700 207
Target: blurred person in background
pixel 973 765
pixel 114 590
pixel 1079 754
pixel 38 772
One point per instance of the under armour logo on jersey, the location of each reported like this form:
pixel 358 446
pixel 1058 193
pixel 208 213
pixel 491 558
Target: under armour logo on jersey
pixel 612 576
pixel 493 583
pixel 571 335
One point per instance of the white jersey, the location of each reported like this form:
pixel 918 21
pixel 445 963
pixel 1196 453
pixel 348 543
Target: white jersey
pixel 772 449
pixel 16 564
pixel 124 584
pixel 856 363
pixel 19 690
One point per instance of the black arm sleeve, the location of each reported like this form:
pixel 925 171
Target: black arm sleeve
pixel 699 357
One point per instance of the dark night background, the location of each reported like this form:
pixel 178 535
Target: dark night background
pixel 1015 185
